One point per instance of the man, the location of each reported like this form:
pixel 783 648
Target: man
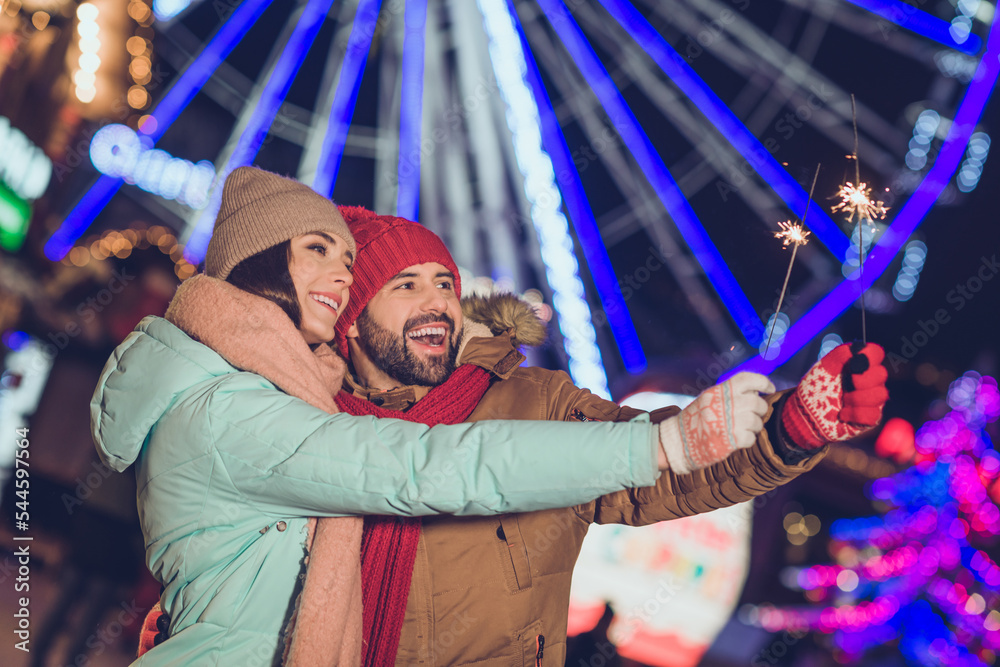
pixel 495 590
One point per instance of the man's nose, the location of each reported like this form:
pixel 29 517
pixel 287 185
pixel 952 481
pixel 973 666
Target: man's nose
pixel 434 302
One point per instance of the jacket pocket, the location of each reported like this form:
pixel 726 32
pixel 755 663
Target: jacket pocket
pixel 532 642
pixel 518 573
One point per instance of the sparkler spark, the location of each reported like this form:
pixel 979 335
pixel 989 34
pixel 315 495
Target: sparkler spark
pixel 857 201
pixel 792 233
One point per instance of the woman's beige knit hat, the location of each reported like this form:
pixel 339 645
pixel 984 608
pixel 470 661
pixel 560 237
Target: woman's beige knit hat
pixel 260 210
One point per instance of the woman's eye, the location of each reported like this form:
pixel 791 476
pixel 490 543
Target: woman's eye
pixel 318 247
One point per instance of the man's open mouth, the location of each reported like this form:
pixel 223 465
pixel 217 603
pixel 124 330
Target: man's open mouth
pixel 431 336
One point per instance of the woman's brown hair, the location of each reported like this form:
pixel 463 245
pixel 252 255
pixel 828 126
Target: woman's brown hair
pixel 266 275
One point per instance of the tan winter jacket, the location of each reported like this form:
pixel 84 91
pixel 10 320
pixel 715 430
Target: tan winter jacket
pixel 495 590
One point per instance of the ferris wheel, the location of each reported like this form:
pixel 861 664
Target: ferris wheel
pixel 588 149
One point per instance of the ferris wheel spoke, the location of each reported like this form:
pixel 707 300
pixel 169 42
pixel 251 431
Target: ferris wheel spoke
pixel 746 48
pixel 410 121
pixel 548 171
pixel 908 17
pixel 910 215
pixel 470 118
pixel 444 174
pixel 387 120
pixel 712 156
pixel 332 70
pixel 258 115
pixel 346 96
pixel 643 210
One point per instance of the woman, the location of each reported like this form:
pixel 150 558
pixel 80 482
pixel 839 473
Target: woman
pixel 226 408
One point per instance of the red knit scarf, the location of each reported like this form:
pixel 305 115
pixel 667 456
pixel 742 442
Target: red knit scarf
pixel 389 544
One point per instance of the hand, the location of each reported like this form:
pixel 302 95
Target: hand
pixel 154 630
pixel 840 397
pixel 721 420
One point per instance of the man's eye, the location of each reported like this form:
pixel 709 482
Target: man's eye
pixel 445 285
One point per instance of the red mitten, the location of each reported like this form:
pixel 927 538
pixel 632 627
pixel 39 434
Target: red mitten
pixel 839 398
pixel 154 630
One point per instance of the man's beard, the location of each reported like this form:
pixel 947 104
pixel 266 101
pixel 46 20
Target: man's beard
pixel 390 353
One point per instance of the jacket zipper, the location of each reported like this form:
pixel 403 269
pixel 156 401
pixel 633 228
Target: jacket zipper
pixel 540 649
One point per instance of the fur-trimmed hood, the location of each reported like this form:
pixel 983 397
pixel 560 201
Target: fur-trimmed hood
pixel 504 312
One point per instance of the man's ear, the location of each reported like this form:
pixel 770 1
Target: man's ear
pixel 353 331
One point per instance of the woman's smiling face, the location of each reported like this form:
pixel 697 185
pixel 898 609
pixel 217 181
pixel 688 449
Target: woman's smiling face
pixel 320 266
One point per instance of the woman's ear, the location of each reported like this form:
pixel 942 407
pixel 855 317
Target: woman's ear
pixel 353 331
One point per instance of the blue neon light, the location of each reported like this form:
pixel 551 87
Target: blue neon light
pixel 726 122
pixel 905 15
pixel 582 217
pixel 652 166
pixel 411 104
pixel 907 220
pixel 342 111
pixel 271 98
pixel 181 92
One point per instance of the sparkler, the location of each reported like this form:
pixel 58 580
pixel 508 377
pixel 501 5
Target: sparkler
pixel 792 235
pixel 856 200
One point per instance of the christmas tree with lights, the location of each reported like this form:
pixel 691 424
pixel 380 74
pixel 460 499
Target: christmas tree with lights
pixel 920 575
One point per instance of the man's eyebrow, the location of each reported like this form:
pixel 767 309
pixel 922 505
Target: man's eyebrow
pixel 403 274
pixel 445 274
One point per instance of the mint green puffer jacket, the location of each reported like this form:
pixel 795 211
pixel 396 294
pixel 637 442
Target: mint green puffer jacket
pixel 229 468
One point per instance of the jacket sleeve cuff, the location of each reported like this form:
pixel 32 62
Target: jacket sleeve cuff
pixel 783 445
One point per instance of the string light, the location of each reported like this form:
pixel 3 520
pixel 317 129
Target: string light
pixel 914 256
pixel 561 268
pixel 89 61
pixel 121 244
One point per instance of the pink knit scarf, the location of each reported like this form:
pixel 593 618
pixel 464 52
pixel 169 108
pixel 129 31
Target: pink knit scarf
pixel 254 334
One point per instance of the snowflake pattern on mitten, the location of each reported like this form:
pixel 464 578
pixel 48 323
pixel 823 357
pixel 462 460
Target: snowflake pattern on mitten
pixel 814 414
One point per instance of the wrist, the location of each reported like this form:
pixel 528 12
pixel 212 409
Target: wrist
pixel 672 445
pixel 799 426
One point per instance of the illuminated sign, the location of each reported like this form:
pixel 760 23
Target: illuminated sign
pixel 673 585
pixel 116 150
pixel 23 165
pixel 14 216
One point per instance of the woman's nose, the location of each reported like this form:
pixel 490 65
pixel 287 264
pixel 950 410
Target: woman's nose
pixel 342 274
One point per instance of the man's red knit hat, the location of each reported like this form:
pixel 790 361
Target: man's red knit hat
pixel 386 246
